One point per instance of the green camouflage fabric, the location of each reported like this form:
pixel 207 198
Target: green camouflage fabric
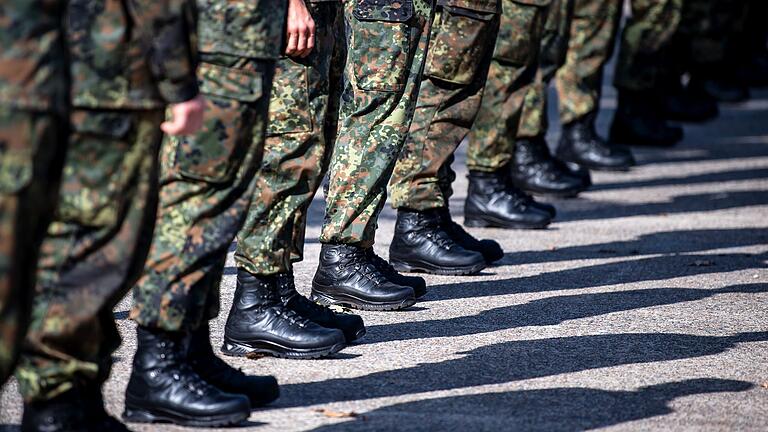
pixel 93 251
pixel 513 68
pixel 644 40
pixel 386 52
pixel 242 28
pixel 33 133
pixel 590 46
pixel 303 111
pixel 32 60
pixel 131 55
pixel 458 57
pixel 552 52
pixel 207 183
pixel 32 146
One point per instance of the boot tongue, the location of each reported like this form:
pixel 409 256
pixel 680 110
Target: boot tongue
pixel 286 287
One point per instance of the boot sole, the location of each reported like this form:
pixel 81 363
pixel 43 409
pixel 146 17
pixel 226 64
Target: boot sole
pixel 355 303
pixel 242 349
pixel 136 415
pixel 472 222
pixel 423 267
pixel 600 167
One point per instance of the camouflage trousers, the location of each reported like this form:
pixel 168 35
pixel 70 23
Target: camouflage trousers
pixel 382 75
pixel 513 68
pixel 32 146
pixel 93 251
pixel 303 110
pixel 207 184
pixel 644 41
pixel 458 57
pixel 592 35
pixel 552 53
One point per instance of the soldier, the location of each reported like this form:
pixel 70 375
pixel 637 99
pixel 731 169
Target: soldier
pixel 33 137
pixel 579 83
pixel 207 184
pixel 303 113
pixel 127 65
pixel 644 43
pixel 387 43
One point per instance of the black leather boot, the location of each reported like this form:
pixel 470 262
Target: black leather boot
pixel 346 277
pixel 164 388
pixel 534 170
pixel 260 390
pixel 421 245
pixel 689 104
pixel 63 413
pixel 722 86
pixel 418 284
pixel 580 144
pixel 638 121
pixel 350 324
pixel 490 249
pixel 492 201
pixel 260 324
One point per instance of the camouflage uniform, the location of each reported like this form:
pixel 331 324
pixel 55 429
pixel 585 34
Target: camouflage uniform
pixel 207 180
pixel 387 43
pixel 127 64
pixel 552 52
pixel 514 65
pixel 458 57
pixel 303 111
pixel 646 36
pixel 32 143
pixel 592 38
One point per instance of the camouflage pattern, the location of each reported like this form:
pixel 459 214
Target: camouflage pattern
pixel 207 183
pixel 33 88
pixel 590 46
pixel 386 52
pixel 644 39
pixel 93 251
pixel 96 245
pixel 513 68
pixel 458 57
pixel 32 148
pixel 242 28
pixel 303 111
pixel 552 52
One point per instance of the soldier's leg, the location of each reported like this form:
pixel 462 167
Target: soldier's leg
pixel 30 164
pixel 491 140
pixel 385 58
pixel 93 252
pixel 458 57
pixel 296 156
pixel 579 83
pixel 639 74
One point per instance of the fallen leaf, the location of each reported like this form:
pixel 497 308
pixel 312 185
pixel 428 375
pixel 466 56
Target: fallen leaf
pixel 764 385
pixel 335 414
pixel 703 263
pixel 255 356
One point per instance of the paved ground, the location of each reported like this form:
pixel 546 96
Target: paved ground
pixel 645 307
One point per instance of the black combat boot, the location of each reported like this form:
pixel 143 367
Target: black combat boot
pixel 346 276
pixel 421 245
pixel 492 201
pixel 639 121
pixel 63 413
pixel 350 324
pixel 721 85
pixel 259 323
pixel 164 388
pixel 534 170
pixel 689 104
pixel 418 284
pixel 490 249
pixel 260 390
pixel 98 418
pixel 580 144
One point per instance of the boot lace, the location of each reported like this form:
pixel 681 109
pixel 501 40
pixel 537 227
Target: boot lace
pixel 292 317
pixel 358 260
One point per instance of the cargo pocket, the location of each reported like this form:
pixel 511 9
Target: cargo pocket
pixel 289 110
pixel 520 30
pixel 101 165
pixel 214 154
pixel 380 43
pixel 460 40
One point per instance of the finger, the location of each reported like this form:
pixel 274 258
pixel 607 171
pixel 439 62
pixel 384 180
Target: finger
pixel 172 127
pixel 290 49
pixel 301 45
pixel 310 44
